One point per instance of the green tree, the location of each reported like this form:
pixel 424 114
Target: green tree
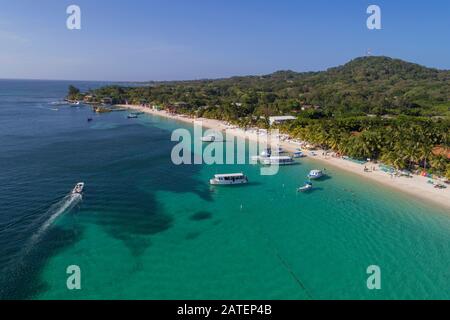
pixel 73 93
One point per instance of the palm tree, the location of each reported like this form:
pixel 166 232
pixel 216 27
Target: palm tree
pixel 439 163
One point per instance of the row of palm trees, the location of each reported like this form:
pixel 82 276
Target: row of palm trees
pixel 404 144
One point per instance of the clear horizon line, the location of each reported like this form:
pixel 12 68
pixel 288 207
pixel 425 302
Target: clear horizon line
pixel 217 78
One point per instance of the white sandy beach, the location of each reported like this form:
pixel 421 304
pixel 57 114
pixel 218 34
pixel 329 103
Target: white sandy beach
pixel 417 186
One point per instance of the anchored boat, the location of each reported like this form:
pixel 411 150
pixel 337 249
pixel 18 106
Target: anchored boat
pixel 278 160
pixel 266 153
pixel 298 154
pixel 315 174
pixel 209 138
pixel 308 186
pixel 229 179
pixel 280 150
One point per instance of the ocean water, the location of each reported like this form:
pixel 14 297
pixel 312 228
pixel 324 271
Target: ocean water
pixel 147 229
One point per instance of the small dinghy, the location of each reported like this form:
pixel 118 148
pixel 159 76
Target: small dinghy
pixel 308 186
pixel 209 138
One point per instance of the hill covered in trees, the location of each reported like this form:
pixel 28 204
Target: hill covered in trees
pixel 366 85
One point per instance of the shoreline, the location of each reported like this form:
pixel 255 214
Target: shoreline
pixel 416 186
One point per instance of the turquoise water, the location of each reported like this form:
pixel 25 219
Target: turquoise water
pixel 148 229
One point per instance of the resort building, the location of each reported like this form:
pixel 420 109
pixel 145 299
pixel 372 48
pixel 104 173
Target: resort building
pixel 181 104
pixel 89 98
pixel 280 119
pixel 310 107
pixel 107 100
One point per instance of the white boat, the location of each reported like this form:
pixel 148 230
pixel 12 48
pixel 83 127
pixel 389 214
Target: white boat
pixel 74 103
pixel 278 160
pixel 59 103
pixel 266 153
pixel 229 179
pixel 78 188
pixel 209 138
pixel 279 150
pixel 308 186
pixel 298 154
pixel 132 116
pixel 315 174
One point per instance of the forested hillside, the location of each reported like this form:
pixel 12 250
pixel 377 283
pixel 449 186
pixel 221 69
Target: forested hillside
pixel 367 85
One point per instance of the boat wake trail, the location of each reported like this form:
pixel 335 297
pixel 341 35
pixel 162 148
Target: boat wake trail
pixel 21 266
pixel 65 205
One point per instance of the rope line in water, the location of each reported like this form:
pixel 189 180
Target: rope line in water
pixel 283 261
pixel 297 279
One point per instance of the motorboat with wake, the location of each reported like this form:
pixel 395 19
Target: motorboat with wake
pixel 78 188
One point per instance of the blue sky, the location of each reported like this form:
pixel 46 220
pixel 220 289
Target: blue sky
pixel 139 40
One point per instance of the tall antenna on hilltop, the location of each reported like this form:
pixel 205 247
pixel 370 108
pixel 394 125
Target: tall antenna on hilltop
pixel 369 52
